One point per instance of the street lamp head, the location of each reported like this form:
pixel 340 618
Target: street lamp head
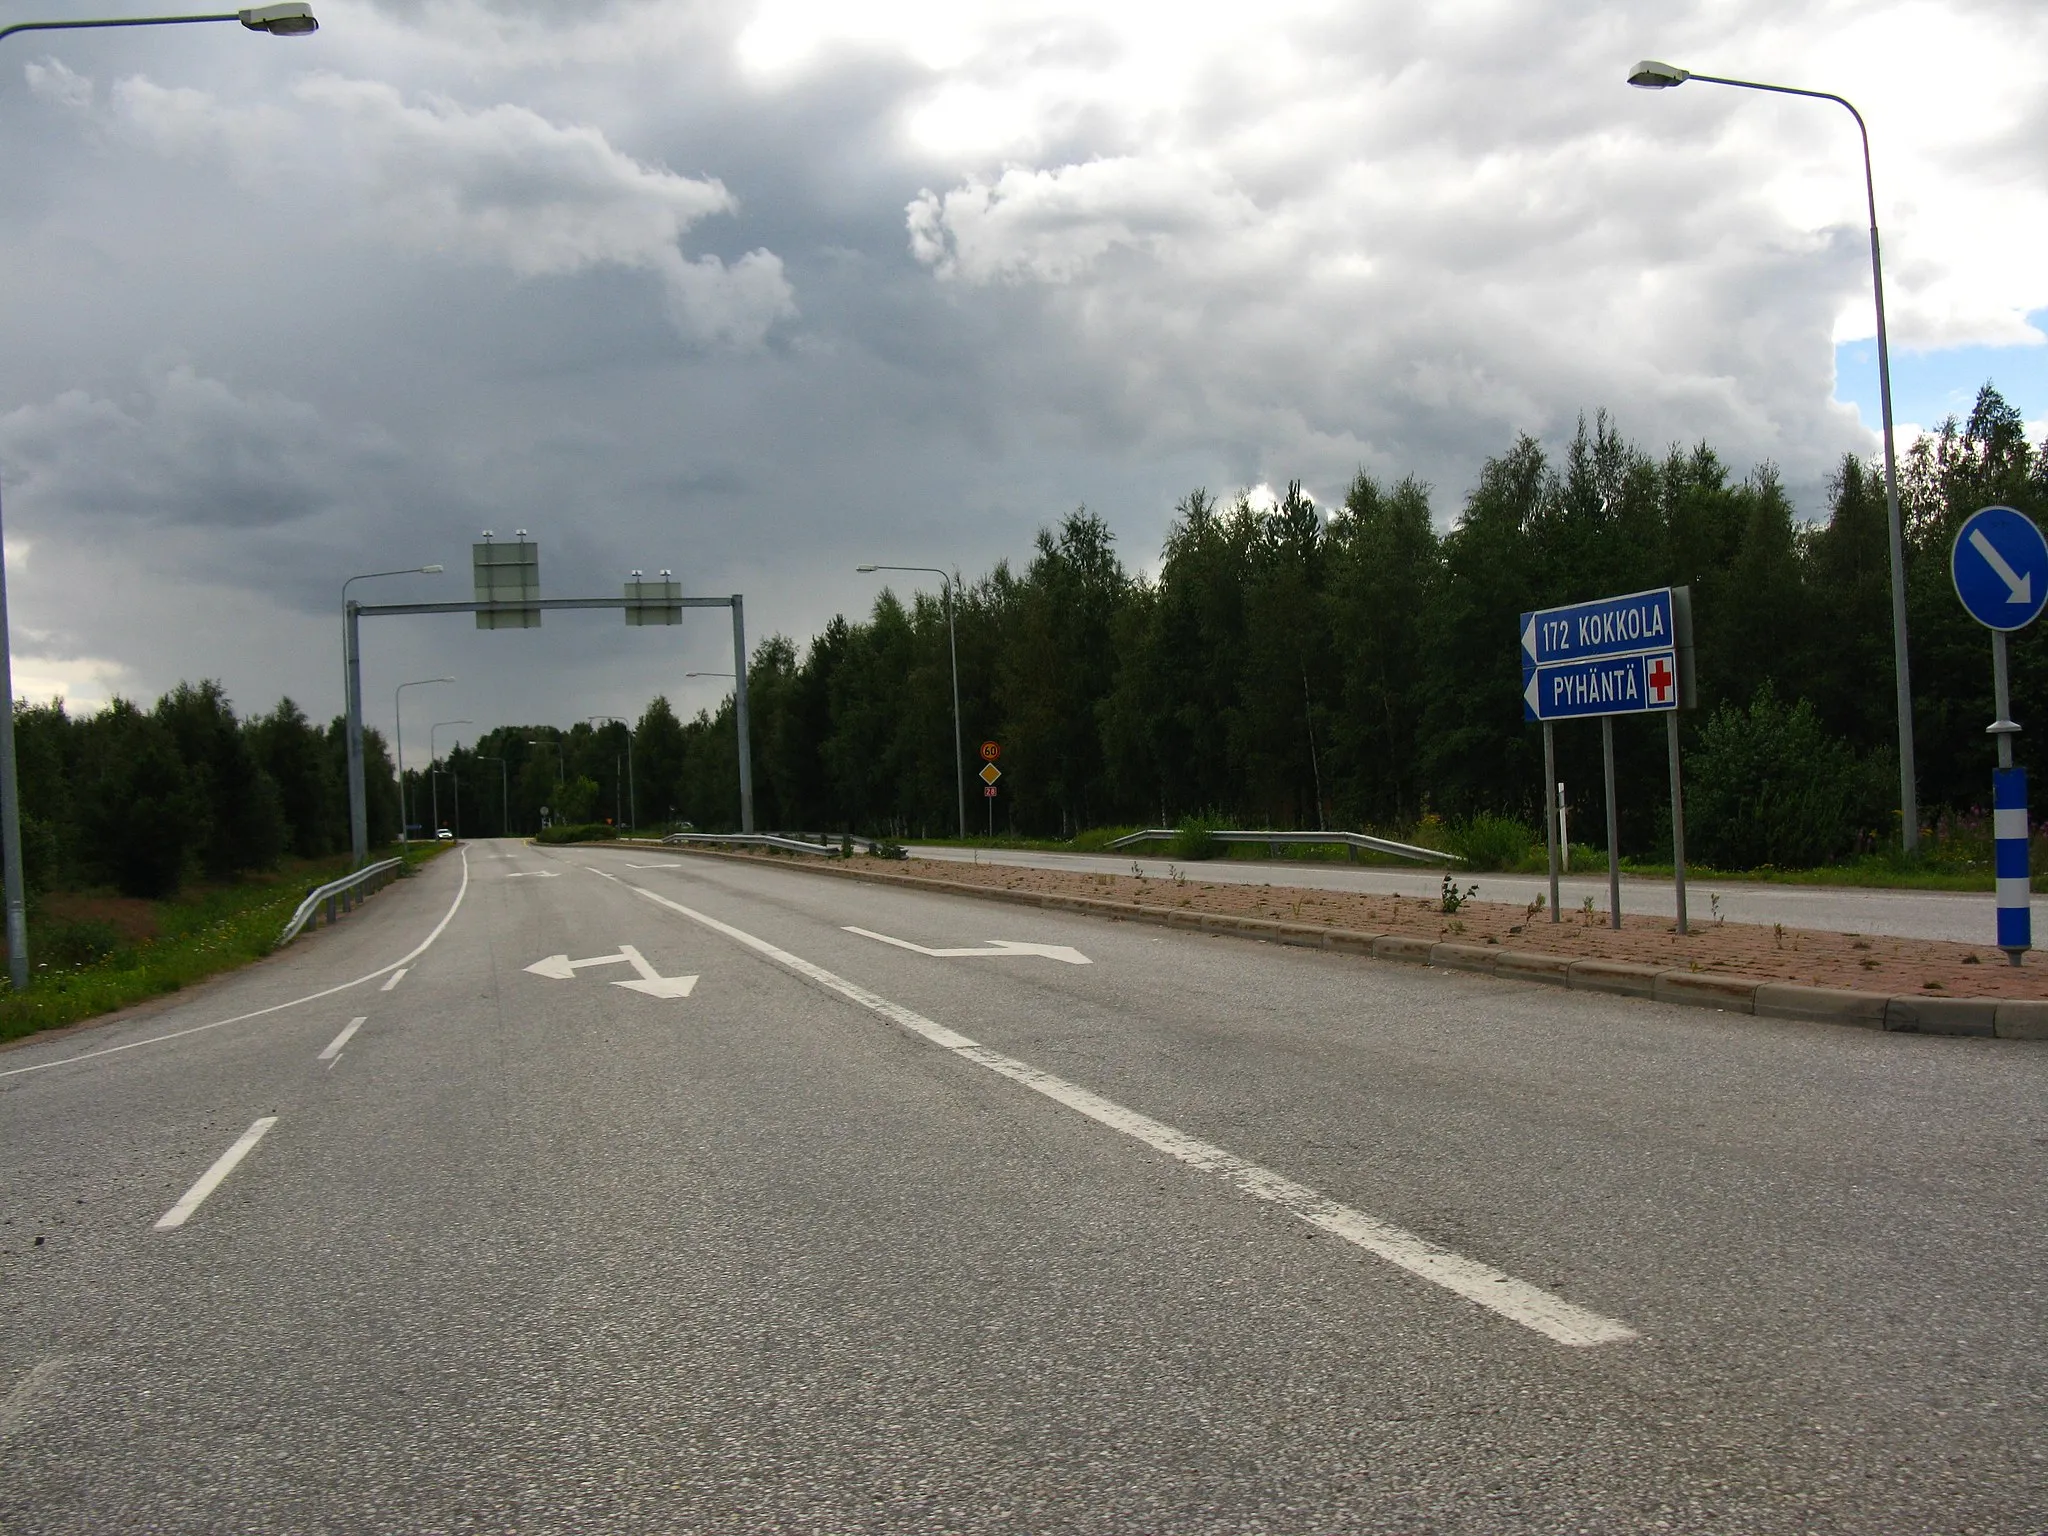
pixel 1655 75
pixel 867 570
pixel 432 570
pixel 292 20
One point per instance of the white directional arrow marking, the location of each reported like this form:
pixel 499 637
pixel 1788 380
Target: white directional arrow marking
pixel 532 874
pixel 1529 637
pixel 651 982
pixel 2020 587
pixel 1530 693
pixel 996 947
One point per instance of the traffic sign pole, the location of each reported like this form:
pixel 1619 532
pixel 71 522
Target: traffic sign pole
pixel 1551 830
pixel 1677 821
pixel 1613 825
pixel 2009 821
pixel 1999 565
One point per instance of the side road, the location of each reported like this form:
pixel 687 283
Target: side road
pixel 2006 1017
pixel 1961 917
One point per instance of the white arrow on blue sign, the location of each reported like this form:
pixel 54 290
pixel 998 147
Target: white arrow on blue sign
pixel 2000 567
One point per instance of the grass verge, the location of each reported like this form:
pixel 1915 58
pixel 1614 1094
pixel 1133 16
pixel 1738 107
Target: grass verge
pixel 199 933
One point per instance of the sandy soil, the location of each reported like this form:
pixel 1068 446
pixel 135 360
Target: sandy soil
pixel 1864 963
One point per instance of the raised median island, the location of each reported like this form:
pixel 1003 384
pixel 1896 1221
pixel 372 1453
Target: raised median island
pixel 1873 980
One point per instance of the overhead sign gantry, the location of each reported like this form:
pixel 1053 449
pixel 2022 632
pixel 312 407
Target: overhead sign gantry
pixel 507 585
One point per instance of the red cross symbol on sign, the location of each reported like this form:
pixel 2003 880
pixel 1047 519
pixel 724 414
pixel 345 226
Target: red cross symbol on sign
pixel 1661 680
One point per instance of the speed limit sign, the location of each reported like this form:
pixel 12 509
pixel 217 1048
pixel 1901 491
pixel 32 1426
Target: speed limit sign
pixel 990 751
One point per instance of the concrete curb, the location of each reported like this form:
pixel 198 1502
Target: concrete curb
pixel 1984 1017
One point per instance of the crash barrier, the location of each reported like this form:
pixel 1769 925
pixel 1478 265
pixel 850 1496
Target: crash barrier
pixel 1276 840
pixel 339 896
pixel 825 847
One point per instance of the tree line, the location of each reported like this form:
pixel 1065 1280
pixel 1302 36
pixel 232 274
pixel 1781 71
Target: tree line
pixel 1288 666
pixel 143 799
pixel 1291 666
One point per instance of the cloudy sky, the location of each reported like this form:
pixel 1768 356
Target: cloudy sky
pixel 760 291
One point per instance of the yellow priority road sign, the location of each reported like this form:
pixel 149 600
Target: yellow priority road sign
pixel 990 773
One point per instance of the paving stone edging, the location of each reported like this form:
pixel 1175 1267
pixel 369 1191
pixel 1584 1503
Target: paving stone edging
pixel 2000 1018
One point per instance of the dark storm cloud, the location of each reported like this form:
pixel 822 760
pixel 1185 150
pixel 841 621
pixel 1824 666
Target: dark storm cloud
pixel 757 293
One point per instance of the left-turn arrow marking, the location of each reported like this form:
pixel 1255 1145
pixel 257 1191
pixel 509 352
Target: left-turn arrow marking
pixel 650 982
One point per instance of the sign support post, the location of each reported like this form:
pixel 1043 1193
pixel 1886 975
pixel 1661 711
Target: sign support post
pixel 2009 821
pixel 1677 820
pixel 1628 655
pixel 1613 824
pixel 1551 811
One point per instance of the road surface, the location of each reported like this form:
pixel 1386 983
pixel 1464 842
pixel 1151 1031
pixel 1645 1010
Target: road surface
pixel 1964 917
pixel 668 1194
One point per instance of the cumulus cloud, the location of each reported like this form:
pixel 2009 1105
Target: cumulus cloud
pixel 1053 225
pixel 502 186
pixel 53 80
pixel 180 449
pixel 1157 245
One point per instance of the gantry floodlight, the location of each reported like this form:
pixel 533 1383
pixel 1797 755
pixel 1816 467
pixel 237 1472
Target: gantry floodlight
pixel 1656 75
pixel 281 20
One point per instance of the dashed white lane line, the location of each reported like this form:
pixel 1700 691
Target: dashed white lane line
pixel 1501 1293
pixel 39 1380
pixel 396 977
pixel 340 1040
pixel 311 997
pixel 209 1181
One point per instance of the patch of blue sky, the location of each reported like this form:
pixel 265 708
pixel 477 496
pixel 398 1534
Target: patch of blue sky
pixel 1930 386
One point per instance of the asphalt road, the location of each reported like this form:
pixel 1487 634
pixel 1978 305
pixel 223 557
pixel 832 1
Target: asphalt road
pixel 1204 1235
pixel 1965 917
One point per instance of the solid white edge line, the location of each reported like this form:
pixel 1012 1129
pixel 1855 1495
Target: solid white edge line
pixel 396 977
pixel 1499 1292
pixel 310 997
pixel 209 1181
pixel 342 1039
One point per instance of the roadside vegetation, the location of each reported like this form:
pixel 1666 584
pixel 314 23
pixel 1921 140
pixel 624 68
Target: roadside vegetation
pixel 164 844
pixel 94 951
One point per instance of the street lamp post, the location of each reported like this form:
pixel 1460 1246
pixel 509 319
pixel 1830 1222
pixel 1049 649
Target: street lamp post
pixel 632 797
pixel 433 770
pixel 561 769
pixel 398 724
pixel 947 583
pixel 281 21
pixel 352 708
pixel 1652 75
pixel 504 793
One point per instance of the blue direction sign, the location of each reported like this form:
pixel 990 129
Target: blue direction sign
pixel 2000 568
pixel 1610 656
pixel 1606 626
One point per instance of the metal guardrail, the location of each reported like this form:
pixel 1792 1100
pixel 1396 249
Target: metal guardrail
pixel 825 848
pixel 1276 839
pixel 339 896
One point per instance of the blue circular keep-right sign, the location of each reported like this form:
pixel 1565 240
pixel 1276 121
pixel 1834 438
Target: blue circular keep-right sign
pixel 2000 568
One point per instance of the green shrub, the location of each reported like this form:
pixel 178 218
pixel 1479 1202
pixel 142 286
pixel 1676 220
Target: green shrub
pixel 1489 842
pixel 85 941
pixel 578 832
pixel 1767 785
pixel 1196 838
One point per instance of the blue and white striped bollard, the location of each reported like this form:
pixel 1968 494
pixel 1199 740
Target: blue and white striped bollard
pixel 2015 888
